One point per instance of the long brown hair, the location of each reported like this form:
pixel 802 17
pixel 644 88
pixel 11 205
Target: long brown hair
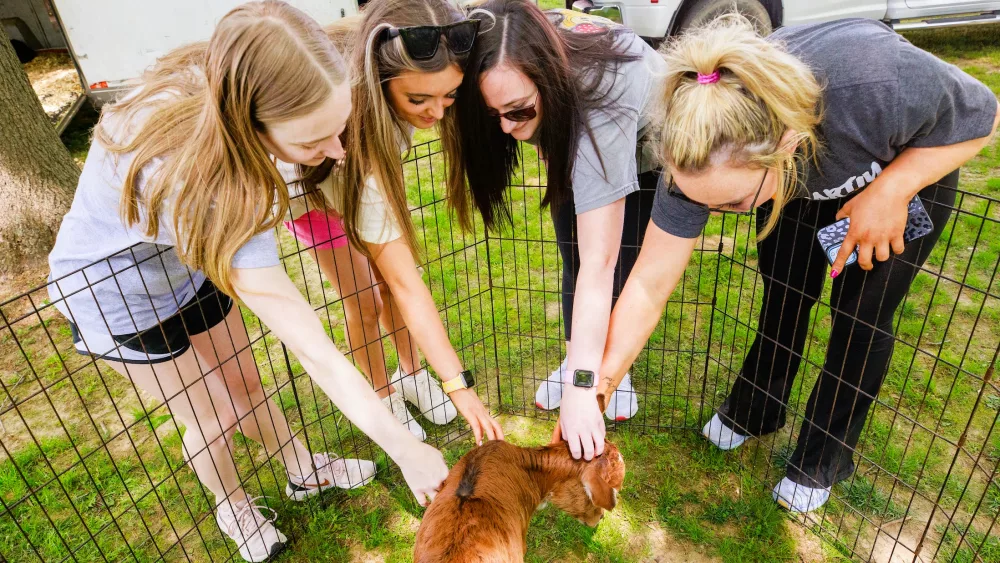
pixel 567 68
pixel 763 91
pixel 203 106
pixel 374 132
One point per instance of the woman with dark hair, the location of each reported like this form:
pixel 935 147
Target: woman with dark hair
pixel 578 88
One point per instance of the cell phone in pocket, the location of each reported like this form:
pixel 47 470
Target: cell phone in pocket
pixel 831 237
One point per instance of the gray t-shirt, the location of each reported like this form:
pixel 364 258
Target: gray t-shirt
pixel 136 281
pixel 881 95
pixel 618 129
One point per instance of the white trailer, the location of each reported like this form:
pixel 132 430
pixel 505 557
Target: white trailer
pixel 113 41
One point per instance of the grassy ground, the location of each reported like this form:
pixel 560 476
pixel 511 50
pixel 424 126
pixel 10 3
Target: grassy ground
pixel 87 466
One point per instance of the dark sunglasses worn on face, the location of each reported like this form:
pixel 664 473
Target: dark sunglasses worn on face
pixel 674 191
pixel 421 41
pixel 518 115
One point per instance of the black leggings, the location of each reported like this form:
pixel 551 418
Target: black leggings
pixel 794 270
pixel 637 209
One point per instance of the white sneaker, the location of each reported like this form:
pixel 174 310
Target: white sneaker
pixel 624 401
pixel 330 472
pixel 397 406
pixel 799 498
pixel 255 535
pixel 549 393
pixel 721 435
pixel 425 393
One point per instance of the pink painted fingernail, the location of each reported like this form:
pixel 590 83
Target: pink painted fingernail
pixel 834 274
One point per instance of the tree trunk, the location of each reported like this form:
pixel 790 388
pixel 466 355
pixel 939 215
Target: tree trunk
pixel 37 174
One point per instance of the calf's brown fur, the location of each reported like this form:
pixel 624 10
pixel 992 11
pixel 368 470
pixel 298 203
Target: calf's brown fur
pixel 481 514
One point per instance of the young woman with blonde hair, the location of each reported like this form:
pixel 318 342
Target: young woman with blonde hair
pixel 809 125
pixel 173 218
pixel 408 59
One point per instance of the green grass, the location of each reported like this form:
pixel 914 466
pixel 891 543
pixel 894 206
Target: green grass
pixel 77 135
pixel 100 472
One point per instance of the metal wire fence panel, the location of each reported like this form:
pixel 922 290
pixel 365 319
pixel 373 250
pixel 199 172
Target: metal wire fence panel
pixel 922 484
pixel 527 275
pixel 93 468
pixel 926 461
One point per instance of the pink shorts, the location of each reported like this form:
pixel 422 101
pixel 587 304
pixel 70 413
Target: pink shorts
pixel 319 229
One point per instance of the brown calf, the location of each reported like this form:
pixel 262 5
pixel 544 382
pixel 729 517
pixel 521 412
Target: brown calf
pixel 481 514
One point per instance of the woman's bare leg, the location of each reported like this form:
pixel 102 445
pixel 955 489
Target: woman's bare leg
pixel 349 271
pixel 257 416
pixel 180 384
pixel 392 321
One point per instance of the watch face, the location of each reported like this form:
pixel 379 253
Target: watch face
pixel 583 378
pixel 467 377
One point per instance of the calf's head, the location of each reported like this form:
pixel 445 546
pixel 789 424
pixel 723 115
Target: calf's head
pixel 594 489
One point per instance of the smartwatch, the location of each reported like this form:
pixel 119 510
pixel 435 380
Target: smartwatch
pixel 583 378
pixel 463 381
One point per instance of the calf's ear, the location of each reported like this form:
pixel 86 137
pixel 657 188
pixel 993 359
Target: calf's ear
pixel 600 492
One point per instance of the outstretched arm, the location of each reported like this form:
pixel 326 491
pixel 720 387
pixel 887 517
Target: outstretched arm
pixel 271 296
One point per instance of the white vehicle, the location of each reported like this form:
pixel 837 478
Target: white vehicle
pixel 656 19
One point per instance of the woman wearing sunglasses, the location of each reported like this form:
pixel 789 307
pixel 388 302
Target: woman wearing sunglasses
pixel 803 128
pixel 578 88
pixel 408 59
pixel 172 220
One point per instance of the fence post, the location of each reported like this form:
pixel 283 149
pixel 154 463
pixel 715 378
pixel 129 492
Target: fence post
pixel 493 317
pixel 711 331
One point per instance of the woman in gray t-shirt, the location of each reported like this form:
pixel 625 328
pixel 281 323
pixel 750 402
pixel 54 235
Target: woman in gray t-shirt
pixel 579 88
pixel 812 124
pixel 173 217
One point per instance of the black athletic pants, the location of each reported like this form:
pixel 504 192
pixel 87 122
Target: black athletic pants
pixel 794 269
pixel 638 206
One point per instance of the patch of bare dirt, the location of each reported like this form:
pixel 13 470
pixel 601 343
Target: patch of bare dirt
pixel 667 549
pixel 360 555
pixel 552 310
pixel 712 242
pixel 808 546
pixel 30 277
pixel 897 543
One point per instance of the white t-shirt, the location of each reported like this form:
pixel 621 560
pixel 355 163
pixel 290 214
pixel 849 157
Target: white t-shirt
pixel 108 277
pixel 376 223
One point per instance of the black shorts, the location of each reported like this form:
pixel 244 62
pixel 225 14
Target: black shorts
pixel 165 341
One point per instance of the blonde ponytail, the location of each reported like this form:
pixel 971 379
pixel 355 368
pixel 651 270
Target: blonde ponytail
pixel 762 91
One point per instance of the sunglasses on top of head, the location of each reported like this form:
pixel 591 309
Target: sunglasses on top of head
pixel 519 115
pixel 421 41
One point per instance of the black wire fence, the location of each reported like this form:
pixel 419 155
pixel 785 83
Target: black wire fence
pixel 92 469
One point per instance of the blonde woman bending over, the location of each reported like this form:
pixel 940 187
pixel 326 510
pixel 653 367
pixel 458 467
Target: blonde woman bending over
pixel 810 125
pixel 172 219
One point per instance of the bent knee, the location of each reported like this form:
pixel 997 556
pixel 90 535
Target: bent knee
pixel 213 421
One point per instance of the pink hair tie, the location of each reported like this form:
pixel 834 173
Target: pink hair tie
pixel 708 78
